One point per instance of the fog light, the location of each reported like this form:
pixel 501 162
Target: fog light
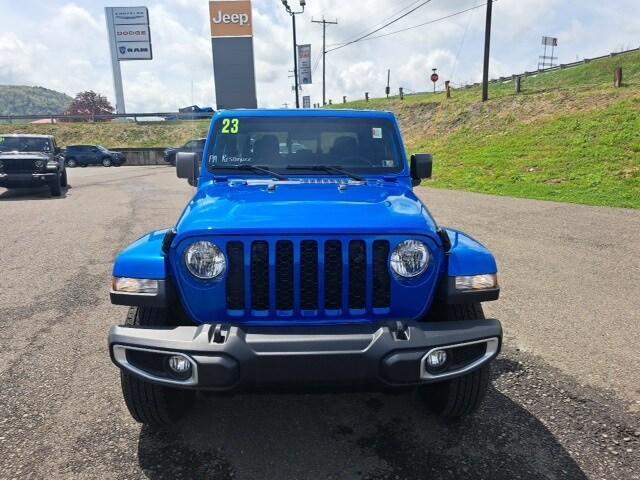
pixel 179 364
pixel 437 359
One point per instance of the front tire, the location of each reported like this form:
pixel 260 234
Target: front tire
pixel 461 396
pixel 55 187
pixel 154 405
pixel 63 180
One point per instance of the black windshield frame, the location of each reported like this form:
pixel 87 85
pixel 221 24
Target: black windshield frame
pixel 25 144
pixel 365 146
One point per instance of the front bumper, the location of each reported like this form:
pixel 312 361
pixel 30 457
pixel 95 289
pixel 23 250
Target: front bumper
pixel 248 358
pixel 25 179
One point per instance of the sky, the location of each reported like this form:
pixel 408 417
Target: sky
pixel 62 45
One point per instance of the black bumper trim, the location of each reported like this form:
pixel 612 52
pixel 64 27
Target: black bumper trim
pixel 249 358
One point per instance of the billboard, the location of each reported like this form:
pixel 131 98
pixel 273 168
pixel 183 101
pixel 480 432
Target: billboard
pixel 126 26
pixel 232 46
pixel 304 64
pixel 231 18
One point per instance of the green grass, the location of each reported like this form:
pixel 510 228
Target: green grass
pixel 117 135
pixel 570 136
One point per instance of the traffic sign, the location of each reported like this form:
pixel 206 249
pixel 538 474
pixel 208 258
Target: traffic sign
pixel 434 77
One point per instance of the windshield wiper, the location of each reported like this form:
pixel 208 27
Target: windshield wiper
pixel 328 169
pixel 250 168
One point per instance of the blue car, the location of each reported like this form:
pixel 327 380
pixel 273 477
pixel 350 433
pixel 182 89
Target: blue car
pixel 305 261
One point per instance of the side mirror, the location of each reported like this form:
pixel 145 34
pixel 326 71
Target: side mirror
pixel 187 167
pixel 421 167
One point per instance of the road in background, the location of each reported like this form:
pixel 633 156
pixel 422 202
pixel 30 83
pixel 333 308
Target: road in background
pixel 568 276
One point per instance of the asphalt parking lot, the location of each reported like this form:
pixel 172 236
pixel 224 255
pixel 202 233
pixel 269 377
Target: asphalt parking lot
pixel 564 404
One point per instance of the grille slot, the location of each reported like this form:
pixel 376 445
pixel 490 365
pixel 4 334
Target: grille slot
pixel 235 277
pixel 284 275
pixel 357 275
pixel 260 275
pixel 381 277
pixel 309 275
pixel 333 275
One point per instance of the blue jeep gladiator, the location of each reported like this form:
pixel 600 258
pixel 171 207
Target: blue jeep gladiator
pixel 304 261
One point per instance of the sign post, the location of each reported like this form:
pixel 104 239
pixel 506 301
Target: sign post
pixel 129 39
pixel 434 78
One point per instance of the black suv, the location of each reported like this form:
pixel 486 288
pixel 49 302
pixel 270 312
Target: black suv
pixel 32 160
pixel 193 146
pixel 83 155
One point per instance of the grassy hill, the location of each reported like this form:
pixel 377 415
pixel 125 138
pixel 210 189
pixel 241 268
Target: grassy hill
pixel 570 136
pixel 117 135
pixel 22 100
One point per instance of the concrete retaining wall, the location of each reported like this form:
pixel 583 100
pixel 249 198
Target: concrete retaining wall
pixel 143 156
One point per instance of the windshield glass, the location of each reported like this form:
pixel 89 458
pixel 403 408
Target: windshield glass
pixel 102 149
pixel 24 144
pixel 358 145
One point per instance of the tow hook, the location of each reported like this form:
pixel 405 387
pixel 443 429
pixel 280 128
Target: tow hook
pixel 219 335
pixel 400 331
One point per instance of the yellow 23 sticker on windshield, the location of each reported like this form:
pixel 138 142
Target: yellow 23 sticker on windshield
pixel 230 125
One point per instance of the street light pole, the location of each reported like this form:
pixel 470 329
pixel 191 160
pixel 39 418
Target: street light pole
pixel 295 45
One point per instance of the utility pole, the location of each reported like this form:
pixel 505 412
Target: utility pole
pixel 324 55
pixel 293 14
pixel 487 49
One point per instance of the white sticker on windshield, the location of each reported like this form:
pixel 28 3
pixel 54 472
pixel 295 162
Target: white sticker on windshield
pixel 377 132
pixel 389 163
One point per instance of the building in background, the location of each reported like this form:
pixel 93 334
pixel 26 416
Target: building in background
pixel 232 45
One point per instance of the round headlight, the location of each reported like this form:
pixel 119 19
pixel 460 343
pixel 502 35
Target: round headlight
pixel 205 260
pixel 410 258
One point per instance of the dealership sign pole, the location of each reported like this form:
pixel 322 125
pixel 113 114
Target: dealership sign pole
pixel 129 39
pixel 232 47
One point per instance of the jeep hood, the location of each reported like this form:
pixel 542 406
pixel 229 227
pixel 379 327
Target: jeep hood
pixel 304 208
pixel 23 156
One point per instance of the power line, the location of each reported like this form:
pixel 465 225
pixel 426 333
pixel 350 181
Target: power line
pixel 324 55
pixel 382 27
pixel 413 27
pixel 382 21
pixel 464 36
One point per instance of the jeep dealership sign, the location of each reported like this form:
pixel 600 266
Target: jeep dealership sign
pixel 232 46
pixel 231 18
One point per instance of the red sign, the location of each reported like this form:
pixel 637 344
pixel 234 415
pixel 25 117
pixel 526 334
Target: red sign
pixel 434 77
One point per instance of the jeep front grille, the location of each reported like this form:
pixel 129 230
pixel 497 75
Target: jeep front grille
pixel 308 277
pixel 19 165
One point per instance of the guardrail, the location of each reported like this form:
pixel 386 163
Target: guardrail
pixel 165 116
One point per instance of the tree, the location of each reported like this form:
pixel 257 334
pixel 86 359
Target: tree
pixel 90 103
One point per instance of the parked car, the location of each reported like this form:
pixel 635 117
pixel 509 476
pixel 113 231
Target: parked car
pixel 30 161
pixel 192 146
pixel 83 155
pixel 304 269
pixel 192 112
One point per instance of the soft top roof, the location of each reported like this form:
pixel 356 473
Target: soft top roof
pixel 306 113
pixel 24 135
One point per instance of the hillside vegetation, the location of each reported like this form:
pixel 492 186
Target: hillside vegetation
pixel 22 100
pixel 570 136
pixel 117 135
